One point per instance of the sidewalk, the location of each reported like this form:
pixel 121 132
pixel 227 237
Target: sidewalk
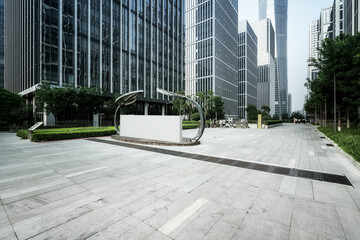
pixel 85 189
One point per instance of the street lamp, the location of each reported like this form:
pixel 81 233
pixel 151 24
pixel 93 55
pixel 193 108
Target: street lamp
pixel 310 64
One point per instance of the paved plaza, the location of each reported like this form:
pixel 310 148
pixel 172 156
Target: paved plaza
pixel 79 189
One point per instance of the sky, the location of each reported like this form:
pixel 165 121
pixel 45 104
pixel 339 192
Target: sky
pixel 300 13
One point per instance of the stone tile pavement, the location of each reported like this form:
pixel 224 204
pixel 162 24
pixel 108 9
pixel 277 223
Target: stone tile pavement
pixel 80 189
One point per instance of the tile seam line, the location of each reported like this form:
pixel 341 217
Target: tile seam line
pixel 174 152
pixel 7 216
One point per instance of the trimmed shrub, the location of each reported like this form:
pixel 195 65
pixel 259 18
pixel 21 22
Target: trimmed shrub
pixel 70 133
pixel 195 122
pixel 195 116
pixel 22 134
pixel 190 126
pixel 272 122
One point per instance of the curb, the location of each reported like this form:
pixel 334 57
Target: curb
pixel 347 156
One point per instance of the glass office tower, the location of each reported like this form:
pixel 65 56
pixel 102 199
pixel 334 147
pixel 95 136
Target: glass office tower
pixel 248 68
pixel 314 40
pixel 326 23
pixel 277 11
pixel 351 16
pixel 1 43
pixel 211 50
pixel 266 64
pixel 120 46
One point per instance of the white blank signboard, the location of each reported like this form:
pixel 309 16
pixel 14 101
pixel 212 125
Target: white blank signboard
pixel 161 128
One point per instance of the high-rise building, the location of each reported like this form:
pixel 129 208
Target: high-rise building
pixel 338 17
pixel 351 16
pixel 120 46
pixel 211 50
pixel 314 40
pixel 2 43
pixel 266 64
pixel 289 103
pixel 326 23
pixel 277 11
pixel 248 70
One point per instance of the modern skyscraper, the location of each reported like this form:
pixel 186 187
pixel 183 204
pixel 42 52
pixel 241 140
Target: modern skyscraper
pixel 266 64
pixel 314 40
pixel 351 16
pixel 277 11
pixel 289 103
pixel 2 43
pixel 248 69
pixel 120 46
pixel 211 50
pixel 326 23
pixel 338 17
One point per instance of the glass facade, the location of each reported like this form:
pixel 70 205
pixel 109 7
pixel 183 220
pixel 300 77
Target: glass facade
pixel 2 43
pixel 314 34
pixel 277 11
pixel 351 16
pixel 117 45
pixel 211 50
pixel 266 86
pixel 248 69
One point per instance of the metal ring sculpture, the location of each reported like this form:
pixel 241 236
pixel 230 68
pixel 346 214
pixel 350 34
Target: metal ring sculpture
pixel 198 107
pixel 124 100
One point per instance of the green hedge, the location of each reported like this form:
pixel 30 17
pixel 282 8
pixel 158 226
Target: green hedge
pixel 272 122
pixel 195 122
pixel 190 126
pixel 347 139
pixel 22 134
pixel 70 133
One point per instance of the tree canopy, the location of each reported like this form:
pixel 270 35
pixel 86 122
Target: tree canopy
pixel 339 62
pixel 13 109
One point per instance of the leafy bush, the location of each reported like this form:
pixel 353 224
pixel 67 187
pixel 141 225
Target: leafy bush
pixel 190 126
pixel 358 126
pixel 272 122
pixel 22 134
pixel 195 116
pixel 347 139
pixel 70 133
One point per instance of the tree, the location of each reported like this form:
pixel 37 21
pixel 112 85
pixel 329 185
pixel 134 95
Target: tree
pixel 266 110
pixel 338 58
pixel 252 112
pixel 219 108
pixel 179 104
pixel 297 115
pixel 13 109
pixel 58 101
pixel 276 117
pixel 206 101
pixel 284 116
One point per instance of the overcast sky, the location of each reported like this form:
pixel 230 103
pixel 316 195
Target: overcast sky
pixel 300 13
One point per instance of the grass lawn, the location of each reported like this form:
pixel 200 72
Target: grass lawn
pixel 347 139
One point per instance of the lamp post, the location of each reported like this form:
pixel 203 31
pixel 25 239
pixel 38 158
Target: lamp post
pixel 334 103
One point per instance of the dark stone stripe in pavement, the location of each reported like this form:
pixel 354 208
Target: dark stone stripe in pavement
pixel 293 172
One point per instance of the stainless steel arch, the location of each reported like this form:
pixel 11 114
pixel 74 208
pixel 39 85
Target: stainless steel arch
pixel 124 100
pixel 198 107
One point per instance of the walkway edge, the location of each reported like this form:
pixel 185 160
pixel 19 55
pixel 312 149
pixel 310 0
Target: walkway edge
pixel 347 156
